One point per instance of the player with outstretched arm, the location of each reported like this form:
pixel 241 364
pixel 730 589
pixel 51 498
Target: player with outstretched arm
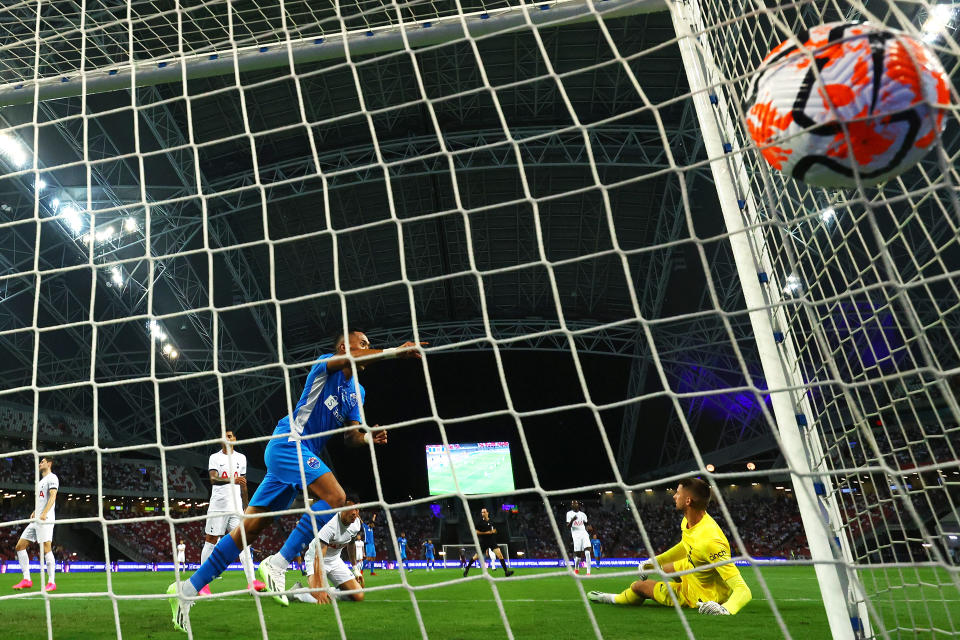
pixel 718 590
pixel 331 399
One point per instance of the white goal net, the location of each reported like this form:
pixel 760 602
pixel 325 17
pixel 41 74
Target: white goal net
pixel 564 199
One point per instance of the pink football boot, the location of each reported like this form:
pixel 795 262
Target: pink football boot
pixel 23 584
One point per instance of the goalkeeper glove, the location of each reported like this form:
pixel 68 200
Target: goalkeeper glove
pixel 645 568
pixel 357 570
pixel 711 608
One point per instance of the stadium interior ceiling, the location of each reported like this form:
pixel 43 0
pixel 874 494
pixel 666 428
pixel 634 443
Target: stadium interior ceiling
pixel 289 229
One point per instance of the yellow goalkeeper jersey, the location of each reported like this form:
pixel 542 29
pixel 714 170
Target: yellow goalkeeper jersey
pixel 702 544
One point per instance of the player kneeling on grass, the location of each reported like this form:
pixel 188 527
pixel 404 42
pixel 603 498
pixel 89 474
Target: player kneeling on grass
pixel 325 566
pixel 717 590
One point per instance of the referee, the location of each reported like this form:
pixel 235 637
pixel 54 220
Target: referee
pixel 487 535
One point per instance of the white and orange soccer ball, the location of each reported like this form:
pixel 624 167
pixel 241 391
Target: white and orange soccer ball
pixel 878 104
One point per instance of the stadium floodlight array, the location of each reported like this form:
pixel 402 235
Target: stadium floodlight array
pixel 851 295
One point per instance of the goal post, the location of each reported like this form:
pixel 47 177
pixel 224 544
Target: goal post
pixel 795 425
pixel 330 41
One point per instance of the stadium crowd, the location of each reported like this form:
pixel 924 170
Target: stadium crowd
pixel 768 527
pixel 17 421
pixel 79 471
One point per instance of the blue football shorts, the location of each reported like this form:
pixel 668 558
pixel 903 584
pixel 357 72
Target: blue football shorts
pixel 283 479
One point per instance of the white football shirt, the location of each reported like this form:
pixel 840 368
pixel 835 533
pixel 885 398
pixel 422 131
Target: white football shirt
pixel 226 466
pixel 46 483
pixel 181 550
pixel 337 535
pixel 579 519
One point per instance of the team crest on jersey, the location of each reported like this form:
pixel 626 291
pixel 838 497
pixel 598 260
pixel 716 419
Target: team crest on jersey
pixel 330 402
pixel 313 463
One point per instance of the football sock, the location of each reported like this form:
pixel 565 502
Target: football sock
pixel 586 554
pixel 24 559
pixel 246 559
pixel 576 561
pixel 627 596
pixel 225 552
pixel 207 550
pixel 303 533
pixel 51 566
pixel 503 564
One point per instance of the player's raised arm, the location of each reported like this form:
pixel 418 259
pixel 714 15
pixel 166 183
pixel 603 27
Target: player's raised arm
pixel 358 347
pixel 359 437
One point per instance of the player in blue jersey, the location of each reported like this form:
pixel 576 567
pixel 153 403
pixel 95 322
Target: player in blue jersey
pixel 428 550
pixel 597 547
pixel 331 399
pixel 402 545
pixel 370 548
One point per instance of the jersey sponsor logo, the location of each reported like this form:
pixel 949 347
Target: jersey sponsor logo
pixel 313 463
pixel 330 403
pixel 716 556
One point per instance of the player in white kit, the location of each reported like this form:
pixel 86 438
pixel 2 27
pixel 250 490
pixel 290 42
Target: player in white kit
pixel 181 556
pixel 228 499
pixel 41 532
pixel 577 521
pixel 358 551
pixel 325 566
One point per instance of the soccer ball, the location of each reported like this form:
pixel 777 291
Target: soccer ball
pixel 877 105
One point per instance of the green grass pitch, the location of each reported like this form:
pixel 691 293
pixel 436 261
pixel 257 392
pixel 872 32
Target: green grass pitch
pixel 545 607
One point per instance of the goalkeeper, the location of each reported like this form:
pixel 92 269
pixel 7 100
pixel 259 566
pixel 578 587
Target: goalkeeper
pixel 714 591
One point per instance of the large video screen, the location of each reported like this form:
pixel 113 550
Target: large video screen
pixel 482 467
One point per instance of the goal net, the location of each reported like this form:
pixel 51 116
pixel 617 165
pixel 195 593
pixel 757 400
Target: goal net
pixel 564 200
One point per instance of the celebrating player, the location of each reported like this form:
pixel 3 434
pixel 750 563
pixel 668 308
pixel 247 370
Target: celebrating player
pixel 325 564
pixel 41 532
pixel 487 535
pixel 331 399
pixel 369 548
pixel 597 547
pixel 714 591
pixel 428 550
pixel 228 499
pixel 577 521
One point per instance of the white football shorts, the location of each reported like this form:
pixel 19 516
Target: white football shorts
pixel 219 523
pixel 581 541
pixel 38 532
pixel 336 569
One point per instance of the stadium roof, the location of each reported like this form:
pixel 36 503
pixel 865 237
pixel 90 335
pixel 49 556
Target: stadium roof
pixel 246 203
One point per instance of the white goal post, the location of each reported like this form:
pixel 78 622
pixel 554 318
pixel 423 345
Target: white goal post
pixel 164 253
